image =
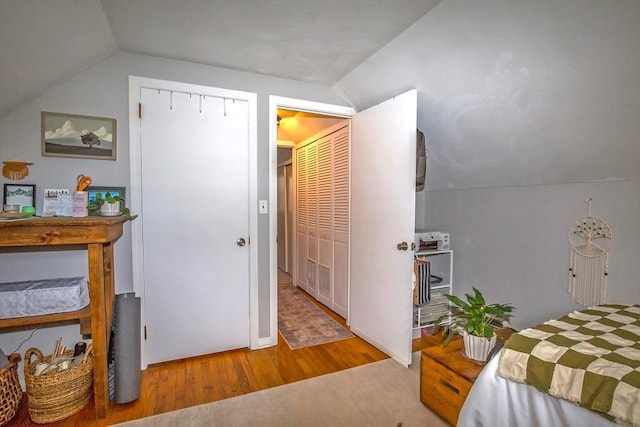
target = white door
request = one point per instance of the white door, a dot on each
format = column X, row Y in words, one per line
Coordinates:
column 284, row 219
column 195, row 211
column 383, row 162
column 300, row 170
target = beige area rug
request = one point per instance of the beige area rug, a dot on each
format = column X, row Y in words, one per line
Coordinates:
column 302, row 323
column 378, row 394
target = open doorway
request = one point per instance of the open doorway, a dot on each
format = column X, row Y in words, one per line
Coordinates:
column 295, row 130
column 379, row 171
column 285, row 217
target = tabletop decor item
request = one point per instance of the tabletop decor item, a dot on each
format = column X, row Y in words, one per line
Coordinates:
column 475, row 320
column 20, row 194
column 108, row 204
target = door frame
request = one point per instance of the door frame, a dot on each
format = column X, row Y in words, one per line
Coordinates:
column 276, row 102
column 136, row 84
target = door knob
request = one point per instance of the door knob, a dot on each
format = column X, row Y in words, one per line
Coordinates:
column 403, row 246
column 240, row 242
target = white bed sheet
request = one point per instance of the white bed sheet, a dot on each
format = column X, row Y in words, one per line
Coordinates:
column 496, row 402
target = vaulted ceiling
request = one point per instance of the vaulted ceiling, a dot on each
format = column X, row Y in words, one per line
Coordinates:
column 509, row 92
column 45, row 42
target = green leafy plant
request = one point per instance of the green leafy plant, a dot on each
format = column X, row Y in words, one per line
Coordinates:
column 100, row 200
column 473, row 316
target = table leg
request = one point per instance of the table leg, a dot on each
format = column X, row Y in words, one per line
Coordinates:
column 109, row 285
column 99, row 334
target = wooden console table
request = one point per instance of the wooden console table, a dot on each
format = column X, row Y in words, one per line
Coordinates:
column 97, row 235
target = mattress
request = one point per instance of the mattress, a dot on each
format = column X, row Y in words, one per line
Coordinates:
column 38, row 297
column 497, row 402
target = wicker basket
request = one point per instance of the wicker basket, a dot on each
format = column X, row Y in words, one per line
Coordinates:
column 10, row 390
column 55, row 396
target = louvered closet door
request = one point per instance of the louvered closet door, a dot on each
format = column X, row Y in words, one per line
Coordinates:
column 301, row 217
column 340, row 221
column 325, row 221
column 312, row 219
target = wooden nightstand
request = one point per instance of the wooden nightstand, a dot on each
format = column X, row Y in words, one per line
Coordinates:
column 446, row 376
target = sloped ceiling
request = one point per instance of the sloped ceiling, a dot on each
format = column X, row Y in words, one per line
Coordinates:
column 517, row 93
column 509, row 93
column 45, row 42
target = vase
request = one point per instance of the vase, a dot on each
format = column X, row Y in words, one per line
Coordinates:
column 110, row 209
column 478, row 348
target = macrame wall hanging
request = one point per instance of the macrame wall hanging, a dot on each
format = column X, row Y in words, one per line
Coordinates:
column 590, row 240
column 15, row 170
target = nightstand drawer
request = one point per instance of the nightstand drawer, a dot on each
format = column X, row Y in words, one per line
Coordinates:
column 441, row 389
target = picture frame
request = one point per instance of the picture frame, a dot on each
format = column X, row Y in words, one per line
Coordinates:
column 20, row 194
column 114, row 191
column 77, row 136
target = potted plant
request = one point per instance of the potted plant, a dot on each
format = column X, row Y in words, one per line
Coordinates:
column 473, row 318
column 109, row 205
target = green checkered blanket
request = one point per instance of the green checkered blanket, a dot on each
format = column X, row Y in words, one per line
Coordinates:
column 590, row 357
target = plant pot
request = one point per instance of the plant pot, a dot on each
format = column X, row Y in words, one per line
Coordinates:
column 110, row 209
column 478, row 348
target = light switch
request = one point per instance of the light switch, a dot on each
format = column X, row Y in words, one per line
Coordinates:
column 262, row 207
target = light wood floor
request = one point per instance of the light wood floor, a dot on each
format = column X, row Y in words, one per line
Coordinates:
column 284, row 278
column 188, row 382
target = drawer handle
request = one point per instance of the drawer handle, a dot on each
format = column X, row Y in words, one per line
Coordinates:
column 449, row 386
column 50, row 237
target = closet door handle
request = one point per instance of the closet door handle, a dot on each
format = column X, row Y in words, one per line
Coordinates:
column 240, row 242
column 403, row 246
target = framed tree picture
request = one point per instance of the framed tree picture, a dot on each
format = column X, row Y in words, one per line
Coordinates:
column 84, row 137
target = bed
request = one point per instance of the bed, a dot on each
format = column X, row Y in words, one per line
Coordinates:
column 582, row 369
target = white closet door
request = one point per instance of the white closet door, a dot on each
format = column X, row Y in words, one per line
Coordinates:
column 383, row 165
column 300, row 168
column 340, row 293
column 325, row 221
column 195, row 206
column 312, row 219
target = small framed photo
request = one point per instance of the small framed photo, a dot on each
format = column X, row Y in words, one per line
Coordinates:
column 82, row 137
column 113, row 191
column 20, row 194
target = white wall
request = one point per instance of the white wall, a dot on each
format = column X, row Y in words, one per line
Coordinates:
column 528, row 93
column 512, row 242
column 517, row 92
column 528, row 108
column 103, row 91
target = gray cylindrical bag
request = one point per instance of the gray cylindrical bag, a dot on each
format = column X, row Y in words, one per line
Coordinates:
column 127, row 347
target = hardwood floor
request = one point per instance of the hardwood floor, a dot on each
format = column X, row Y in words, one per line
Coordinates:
column 188, row 382
column 284, row 278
